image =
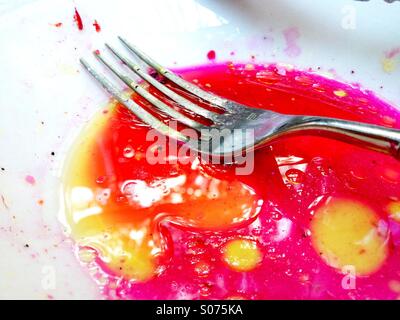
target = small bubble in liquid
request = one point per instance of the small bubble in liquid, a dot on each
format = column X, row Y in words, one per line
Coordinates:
column 205, row 289
column 86, row 255
column 174, row 285
column 100, row 179
column 276, row 216
column 294, row 176
column 318, row 87
column 101, row 279
column 202, row 268
column 304, row 278
column 195, row 248
column 128, row 152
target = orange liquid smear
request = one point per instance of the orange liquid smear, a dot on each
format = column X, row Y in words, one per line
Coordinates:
column 310, row 207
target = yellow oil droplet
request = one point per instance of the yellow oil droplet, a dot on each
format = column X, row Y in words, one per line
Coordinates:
column 242, row 255
column 340, row 93
column 389, row 65
column 345, row 233
column 131, row 261
column 393, row 209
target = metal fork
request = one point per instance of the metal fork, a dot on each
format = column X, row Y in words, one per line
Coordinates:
column 260, row 126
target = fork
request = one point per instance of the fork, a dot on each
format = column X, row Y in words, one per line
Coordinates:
column 259, row 126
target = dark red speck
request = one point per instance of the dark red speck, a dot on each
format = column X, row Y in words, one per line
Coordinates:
column 58, row 24
column 211, row 55
column 97, row 51
column 96, row 26
column 78, row 20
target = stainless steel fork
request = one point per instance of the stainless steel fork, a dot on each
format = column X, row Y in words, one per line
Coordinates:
column 260, row 126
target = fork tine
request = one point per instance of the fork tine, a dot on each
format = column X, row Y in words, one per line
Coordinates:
column 142, row 114
column 149, row 97
column 186, row 85
column 164, row 89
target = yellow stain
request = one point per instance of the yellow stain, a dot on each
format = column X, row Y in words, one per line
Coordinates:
column 123, row 235
column 340, row 93
column 123, row 255
column 393, row 209
column 389, row 65
column 242, row 255
column 345, row 233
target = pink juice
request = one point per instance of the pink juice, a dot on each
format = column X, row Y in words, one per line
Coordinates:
column 316, row 219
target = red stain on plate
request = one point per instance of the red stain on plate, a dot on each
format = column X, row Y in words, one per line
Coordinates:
column 78, row 20
column 211, row 55
column 97, row 26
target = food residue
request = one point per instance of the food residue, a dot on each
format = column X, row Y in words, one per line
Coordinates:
column 310, row 209
column 96, row 26
column 78, row 20
column 30, row 179
column 211, row 55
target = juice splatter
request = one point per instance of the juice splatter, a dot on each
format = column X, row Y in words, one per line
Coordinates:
column 78, row 20
column 96, row 26
column 211, row 55
column 30, row 179
column 178, row 230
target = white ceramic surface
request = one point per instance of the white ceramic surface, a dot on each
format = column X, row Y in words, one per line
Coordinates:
column 46, row 97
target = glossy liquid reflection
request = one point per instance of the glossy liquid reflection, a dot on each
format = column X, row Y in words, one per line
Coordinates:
column 173, row 231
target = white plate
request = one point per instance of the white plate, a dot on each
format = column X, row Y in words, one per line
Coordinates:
column 46, row 97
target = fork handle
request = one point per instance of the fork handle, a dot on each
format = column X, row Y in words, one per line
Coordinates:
column 374, row 137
